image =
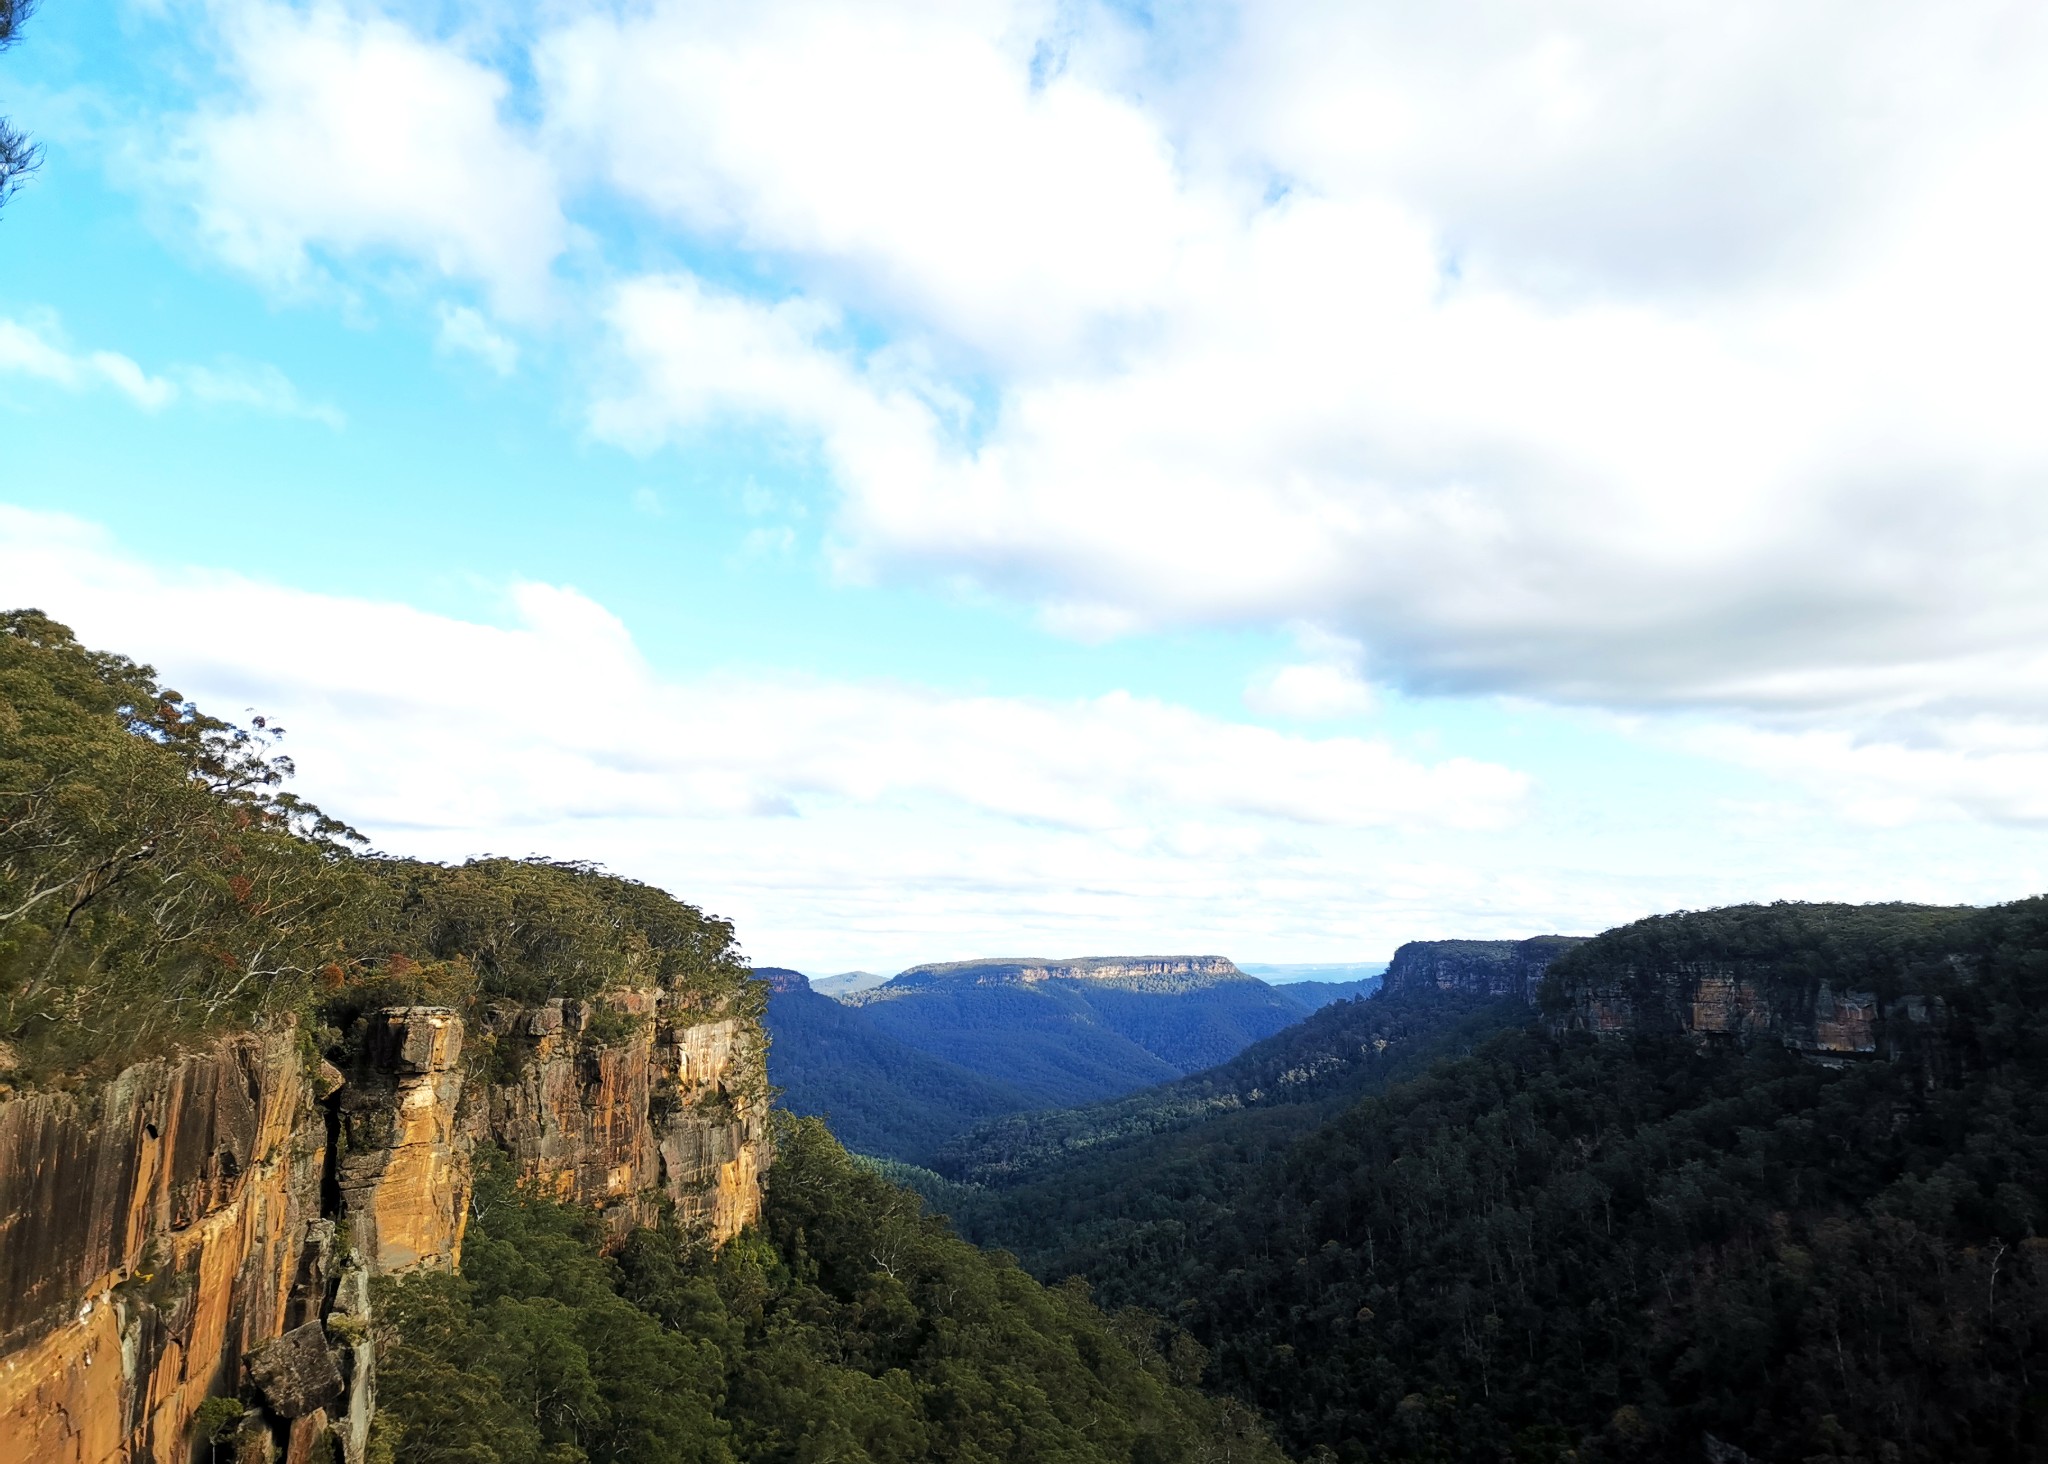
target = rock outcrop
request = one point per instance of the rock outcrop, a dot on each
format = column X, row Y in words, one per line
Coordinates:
column 151, row 1234
column 207, row 1225
column 1505, row 968
column 1736, row 1002
column 675, row 1112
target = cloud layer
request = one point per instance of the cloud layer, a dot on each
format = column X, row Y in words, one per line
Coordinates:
column 551, row 733
column 1680, row 364
column 1641, row 361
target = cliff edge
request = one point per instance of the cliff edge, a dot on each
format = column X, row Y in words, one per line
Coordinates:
column 205, row 1226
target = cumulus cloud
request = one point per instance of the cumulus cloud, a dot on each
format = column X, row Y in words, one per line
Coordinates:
column 1601, row 359
column 464, row 331
column 1309, row 692
column 1673, row 360
column 33, row 352
column 350, row 136
column 36, row 350
column 946, row 164
column 549, row 731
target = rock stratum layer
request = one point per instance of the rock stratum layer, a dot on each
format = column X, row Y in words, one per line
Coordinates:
column 1506, row 968
column 206, row 1225
column 1734, row 1001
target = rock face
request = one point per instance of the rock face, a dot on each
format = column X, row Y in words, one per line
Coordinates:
column 400, row 1166
column 208, row 1224
column 150, row 1235
column 675, row 1110
column 1732, row 1002
column 1509, row 968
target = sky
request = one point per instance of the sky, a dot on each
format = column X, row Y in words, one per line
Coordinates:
column 937, row 480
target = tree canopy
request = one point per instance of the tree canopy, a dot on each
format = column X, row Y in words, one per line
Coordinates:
column 18, row 155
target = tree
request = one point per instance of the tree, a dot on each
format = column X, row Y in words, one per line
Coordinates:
column 18, row 156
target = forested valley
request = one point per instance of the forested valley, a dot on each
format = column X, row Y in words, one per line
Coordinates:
column 1503, row 1235
column 1763, row 1183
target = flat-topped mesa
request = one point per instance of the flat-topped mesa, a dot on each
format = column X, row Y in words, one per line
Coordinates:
column 1162, row 973
column 1504, row 968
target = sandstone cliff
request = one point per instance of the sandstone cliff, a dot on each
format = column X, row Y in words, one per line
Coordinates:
column 206, row 1225
column 1508, row 968
column 1739, row 1002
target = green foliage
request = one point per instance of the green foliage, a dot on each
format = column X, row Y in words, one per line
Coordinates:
column 18, row 156
column 214, row 1419
column 537, row 928
column 158, row 884
column 154, row 879
column 1620, row 1249
column 853, row 1327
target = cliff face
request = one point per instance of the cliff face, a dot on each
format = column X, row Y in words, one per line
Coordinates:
column 208, row 1225
column 1508, row 968
column 150, row 1235
column 675, row 1112
column 1736, row 1002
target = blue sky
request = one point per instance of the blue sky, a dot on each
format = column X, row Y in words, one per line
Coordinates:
column 1015, row 478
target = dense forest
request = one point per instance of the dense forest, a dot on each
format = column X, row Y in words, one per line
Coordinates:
column 851, row 1327
column 1643, row 1246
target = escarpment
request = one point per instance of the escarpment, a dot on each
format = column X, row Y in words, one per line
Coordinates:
column 206, row 1226
column 1832, row 982
column 1505, row 968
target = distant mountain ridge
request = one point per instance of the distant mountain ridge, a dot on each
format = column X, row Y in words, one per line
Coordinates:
column 842, row 982
column 1172, row 972
column 902, row 1066
column 1294, row 973
column 1055, row 1031
column 880, row 1095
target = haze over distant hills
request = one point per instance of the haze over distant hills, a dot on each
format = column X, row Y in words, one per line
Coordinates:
column 844, row 982
column 1293, row 973
column 903, row 1064
column 1077, row 1030
column 881, row 1095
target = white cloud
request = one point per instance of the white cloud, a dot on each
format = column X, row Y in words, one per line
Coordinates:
column 32, row 352
column 352, row 137
column 256, row 385
column 937, row 160
column 550, row 732
column 464, row 331
column 1672, row 360
column 1669, row 358
column 1310, row 691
